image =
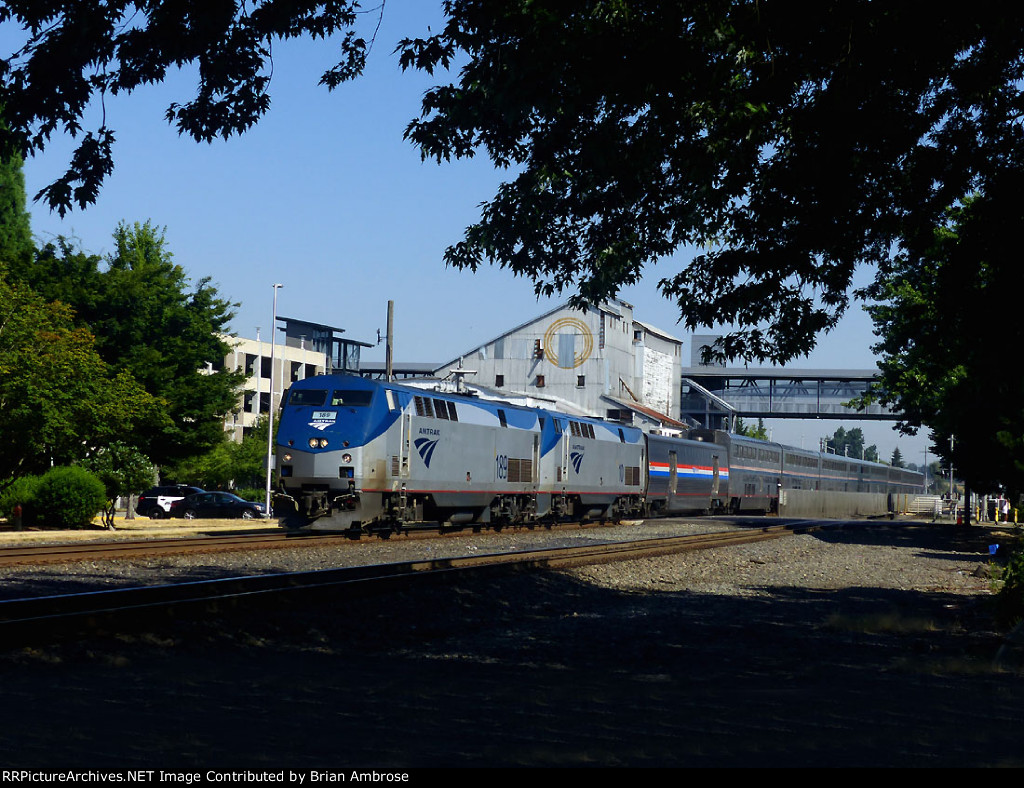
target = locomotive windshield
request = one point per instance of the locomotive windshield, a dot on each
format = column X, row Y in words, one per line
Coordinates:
column 307, row 397
column 352, row 398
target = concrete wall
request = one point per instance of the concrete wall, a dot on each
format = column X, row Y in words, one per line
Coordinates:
column 811, row 503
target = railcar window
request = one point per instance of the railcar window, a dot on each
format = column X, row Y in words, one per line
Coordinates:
column 441, row 408
column 351, row 398
column 307, row 397
column 501, row 418
column 452, row 413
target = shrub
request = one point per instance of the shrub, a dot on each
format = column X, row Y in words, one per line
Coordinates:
column 1010, row 602
column 20, row 491
column 69, row 497
column 252, row 494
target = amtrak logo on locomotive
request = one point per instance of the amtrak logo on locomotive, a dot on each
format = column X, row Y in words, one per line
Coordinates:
column 425, row 447
column 322, row 419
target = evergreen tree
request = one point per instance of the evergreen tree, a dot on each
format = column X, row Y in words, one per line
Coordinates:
column 15, row 230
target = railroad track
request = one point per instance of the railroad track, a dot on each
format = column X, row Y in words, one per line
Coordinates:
column 23, row 555
column 111, row 611
column 93, row 551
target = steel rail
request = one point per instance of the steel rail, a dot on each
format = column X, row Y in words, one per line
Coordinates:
column 103, row 550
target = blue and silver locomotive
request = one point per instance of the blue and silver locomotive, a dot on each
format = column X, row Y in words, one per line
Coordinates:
column 359, row 454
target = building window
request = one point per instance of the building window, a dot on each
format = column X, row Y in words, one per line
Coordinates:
column 540, row 381
column 499, row 380
column 581, row 381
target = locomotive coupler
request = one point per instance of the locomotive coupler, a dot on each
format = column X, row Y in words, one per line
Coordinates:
column 349, row 501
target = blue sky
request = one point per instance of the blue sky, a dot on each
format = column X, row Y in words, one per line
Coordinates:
column 325, row 197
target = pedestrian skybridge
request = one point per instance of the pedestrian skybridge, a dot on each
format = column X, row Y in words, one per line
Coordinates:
column 713, row 395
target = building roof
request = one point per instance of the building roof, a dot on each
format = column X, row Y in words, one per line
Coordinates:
column 648, row 413
column 657, row 331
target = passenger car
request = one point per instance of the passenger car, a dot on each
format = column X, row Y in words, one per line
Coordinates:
column 156, row 501
column 216, row 504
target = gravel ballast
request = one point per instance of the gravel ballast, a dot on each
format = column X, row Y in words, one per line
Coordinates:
column 861, row 646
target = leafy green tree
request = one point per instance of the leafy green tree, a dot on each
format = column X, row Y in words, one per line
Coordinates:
column 124, row 471
column 59, row 401
column 72, row 53
column 773, row 147
column 896, row 460
column 152, row 323
column 229, row 464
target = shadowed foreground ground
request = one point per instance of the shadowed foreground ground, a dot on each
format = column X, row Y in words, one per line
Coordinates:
column 534, row 670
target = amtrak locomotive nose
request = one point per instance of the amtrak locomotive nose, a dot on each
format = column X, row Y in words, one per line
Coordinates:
column 321, row 435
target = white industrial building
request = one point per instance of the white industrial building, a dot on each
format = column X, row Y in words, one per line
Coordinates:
column 599, row 362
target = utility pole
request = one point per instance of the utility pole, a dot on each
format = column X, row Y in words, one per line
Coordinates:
column 270, row 415
column 389, row 345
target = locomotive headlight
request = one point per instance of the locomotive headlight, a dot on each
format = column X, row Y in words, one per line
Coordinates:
column 323, row 443
column 313, row 443
column 287, row 457
column 346, row 458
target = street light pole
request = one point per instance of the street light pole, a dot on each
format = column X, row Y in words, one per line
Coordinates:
column 270, row 415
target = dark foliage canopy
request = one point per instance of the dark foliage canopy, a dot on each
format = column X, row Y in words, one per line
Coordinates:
column 778, row 145
column 77, row 52
column 948, row 318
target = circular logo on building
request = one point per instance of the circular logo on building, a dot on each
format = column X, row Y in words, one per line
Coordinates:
column 568, row 343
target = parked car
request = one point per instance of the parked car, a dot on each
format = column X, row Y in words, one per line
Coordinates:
column 217, row 504
column 156, row 501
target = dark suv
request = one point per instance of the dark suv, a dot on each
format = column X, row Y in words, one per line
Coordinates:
column 156, row 501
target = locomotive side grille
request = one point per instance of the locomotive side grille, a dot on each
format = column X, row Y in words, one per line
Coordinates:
column 519, row 470
column 396, row 465
column 632, row 476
